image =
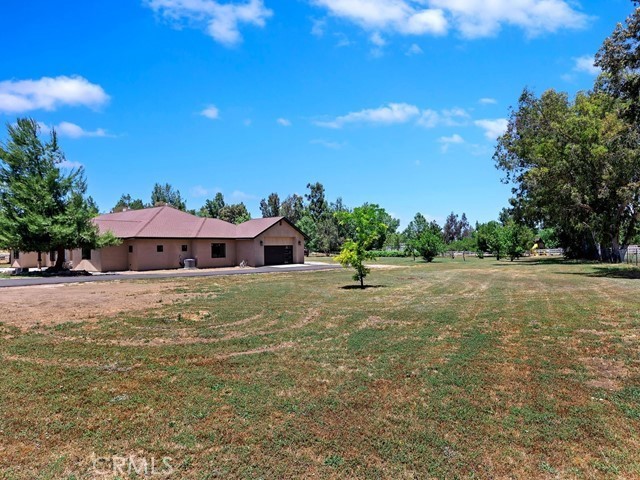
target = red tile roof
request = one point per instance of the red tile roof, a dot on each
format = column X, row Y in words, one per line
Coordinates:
column 168, row 222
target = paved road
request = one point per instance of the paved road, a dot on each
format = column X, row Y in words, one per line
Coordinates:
column 28, row 281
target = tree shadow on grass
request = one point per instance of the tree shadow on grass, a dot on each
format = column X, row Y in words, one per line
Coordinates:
column 358, row 287
column 610, row 272
column 529, row 262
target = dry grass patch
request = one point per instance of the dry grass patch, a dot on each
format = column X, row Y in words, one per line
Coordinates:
column 448, row 370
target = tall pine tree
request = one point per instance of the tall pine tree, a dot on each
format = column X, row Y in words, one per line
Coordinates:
column 42, row 208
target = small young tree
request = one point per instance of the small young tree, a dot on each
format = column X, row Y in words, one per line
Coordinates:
column 517, row 239
column 430, row 243
column 43, row 209
column 367, row 229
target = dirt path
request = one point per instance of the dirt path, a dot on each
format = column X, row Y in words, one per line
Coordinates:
column 47, row 305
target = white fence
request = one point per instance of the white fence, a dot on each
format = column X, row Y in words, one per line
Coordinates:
column 632, row 254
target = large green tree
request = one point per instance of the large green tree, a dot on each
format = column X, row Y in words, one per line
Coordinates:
column 43, row 207
column 126, row 202
column 166, row 194
column 575, row 165
column 317, row 203
column 235, row 213
column 293, row 208
column 619, row 60
column 367, row 229
column 212, row 207
column 270, row 207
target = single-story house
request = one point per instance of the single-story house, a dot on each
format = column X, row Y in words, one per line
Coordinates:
column 163, row 237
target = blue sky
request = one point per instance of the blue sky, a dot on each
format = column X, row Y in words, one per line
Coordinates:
column 396, row 102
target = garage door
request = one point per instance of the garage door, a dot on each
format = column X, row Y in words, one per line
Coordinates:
column 280, row 255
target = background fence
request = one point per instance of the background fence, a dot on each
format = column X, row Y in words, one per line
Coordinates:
column 632, row 254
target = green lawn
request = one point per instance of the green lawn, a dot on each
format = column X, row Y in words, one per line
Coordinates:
column 477, row 369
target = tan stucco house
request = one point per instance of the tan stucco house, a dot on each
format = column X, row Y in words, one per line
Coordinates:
column 163, row 238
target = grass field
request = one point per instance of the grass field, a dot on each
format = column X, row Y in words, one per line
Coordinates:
column 476, row 369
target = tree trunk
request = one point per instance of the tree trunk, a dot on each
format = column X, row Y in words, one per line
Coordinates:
column 361, row 282
column 59, row 259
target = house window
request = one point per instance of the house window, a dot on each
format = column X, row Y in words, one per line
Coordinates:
column 52, row 256
column 86, row 254
column 16, row 254
column 184, row 248
column 159, row 248
column 218, row 250
column 130, row 248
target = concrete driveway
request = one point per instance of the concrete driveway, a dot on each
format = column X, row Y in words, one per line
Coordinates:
column 27, row 281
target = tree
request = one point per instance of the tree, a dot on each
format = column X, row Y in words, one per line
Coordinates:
column 271, row 206
column 429, row 242
column 327, row 236
column 128, row 203
column 309, row 228
column 619, row 60
column 212, row 208
column 549, row 237
column 489, row 239
column 575, row 166
column 367, row 229
column 43, row 209
column 235, row 213
column 464, row 228
column 166, row 195
column 516, row 239
column 317, row 203
column 451, row 230
column 413, row 231
column 293, row 208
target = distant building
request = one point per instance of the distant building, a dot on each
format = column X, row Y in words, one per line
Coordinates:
column 163, row 237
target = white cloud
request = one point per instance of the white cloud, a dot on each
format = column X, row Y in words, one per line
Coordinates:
column 488, row 101
column 200, row 191
column 71, row 130
column 393, row 113
column 402, row 16
column 414, row 49
column 343, row 40
column 70, row 165
column 447, row 141
column 377, row 39
column 68, row 129
column 318, row 27
column 284, row 122
column 585, row 64
column 220, row 21
column 472, row 18
column 455, row 138
column 399, row 113
column 238, row 195
column 328, row 144
column 493, row 128
column 211, row 112
column 47, row 93
column 481, row 18
column 454, row 117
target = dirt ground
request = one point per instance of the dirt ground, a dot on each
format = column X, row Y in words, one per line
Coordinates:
column 47, row 305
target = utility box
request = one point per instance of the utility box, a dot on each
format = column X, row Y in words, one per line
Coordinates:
column 190, row 264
